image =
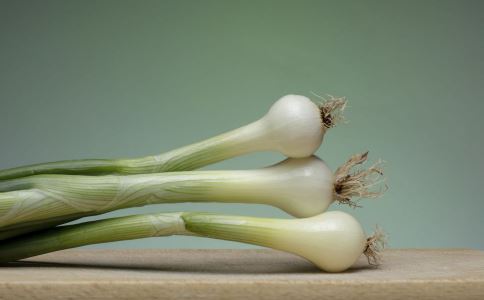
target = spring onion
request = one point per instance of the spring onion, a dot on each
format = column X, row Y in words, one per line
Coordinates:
column 302, row 187
column 293, row 126
column 333, row 241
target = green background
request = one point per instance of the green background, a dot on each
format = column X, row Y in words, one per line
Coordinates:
column 83, row 79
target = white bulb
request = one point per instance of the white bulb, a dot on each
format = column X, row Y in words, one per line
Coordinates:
column 293, row 126
column 302, row 187
column 333, row 240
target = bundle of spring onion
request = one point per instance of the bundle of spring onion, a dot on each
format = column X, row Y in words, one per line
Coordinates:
column 38, row 197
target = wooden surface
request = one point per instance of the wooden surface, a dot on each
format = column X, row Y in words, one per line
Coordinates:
column 240, row 274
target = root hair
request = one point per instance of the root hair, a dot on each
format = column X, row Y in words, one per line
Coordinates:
column 331, row 109
column 360, row 183
column 375, row 245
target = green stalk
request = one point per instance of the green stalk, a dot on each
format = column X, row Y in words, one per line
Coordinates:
column 190, row 157
column 236, row 228
column 6, row 233
column 95, row 232
column 33, row 226
column 250, row 230
column 66, row 197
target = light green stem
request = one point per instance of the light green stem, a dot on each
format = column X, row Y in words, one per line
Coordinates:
column 103, row 231
column 33, row 226
column 191, row 157
column 6, row 233
column 51, row 198
column 250, row 230
column 258, row 231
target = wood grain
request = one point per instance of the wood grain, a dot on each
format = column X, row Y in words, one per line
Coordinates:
column 240, row 274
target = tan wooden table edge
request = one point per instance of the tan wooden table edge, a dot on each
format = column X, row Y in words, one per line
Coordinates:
column 241, row 274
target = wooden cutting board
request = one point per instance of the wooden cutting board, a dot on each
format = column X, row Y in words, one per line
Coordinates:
column 240, row 274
